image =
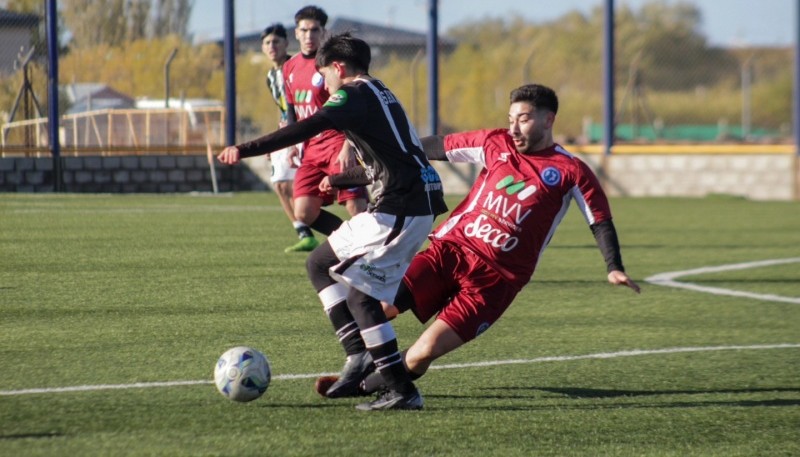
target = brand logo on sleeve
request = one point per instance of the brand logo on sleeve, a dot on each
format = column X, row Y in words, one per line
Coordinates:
column 337, row 99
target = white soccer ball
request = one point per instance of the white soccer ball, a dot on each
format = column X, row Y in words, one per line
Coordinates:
column 242, row 374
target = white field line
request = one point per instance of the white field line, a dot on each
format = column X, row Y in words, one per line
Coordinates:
column 668, row 280
column 490, row 363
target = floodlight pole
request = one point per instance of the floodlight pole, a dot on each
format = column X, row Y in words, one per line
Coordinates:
column 796, row 100
column 796, row 85
column 433, row 65
column 608, row 78
column 51, row 14
column 230, row 74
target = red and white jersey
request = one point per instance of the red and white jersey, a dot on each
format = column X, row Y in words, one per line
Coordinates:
column 305, row 89
column 517, row 202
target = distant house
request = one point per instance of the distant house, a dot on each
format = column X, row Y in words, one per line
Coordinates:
column 384, row 41
column 95, row 96
column 17, row 31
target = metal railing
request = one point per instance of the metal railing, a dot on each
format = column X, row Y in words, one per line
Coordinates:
column 119, row 132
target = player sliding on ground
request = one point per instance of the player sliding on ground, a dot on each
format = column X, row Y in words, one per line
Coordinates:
column 362, row 262
column 487, row 250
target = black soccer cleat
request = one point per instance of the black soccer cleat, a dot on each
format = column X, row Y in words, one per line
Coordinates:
column 356, row 368
column 392, row 399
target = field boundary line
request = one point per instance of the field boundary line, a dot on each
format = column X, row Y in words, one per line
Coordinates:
column 668, row 279
column 490, row 363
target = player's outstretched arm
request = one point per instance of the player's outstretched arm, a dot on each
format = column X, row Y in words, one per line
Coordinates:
column 229, row 155
column 283, row 137
column 433, row 146
column 619, row 278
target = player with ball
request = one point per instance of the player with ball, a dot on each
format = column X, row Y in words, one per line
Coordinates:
column 363, row 261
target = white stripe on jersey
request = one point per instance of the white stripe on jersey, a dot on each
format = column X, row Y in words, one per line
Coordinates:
column 386, row 112
column 468, row 155
column 561, row 150
column 556, row 222
column 584, row 207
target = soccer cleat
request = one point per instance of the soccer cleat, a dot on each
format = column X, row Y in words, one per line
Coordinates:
column 323, row 383
column 305, row 244
column 356, row 368
column 392, row 399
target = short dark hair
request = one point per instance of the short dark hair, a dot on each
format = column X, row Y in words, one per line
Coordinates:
column 275, row 29
column 541, row 97
column 354, row 52
column 313, row 13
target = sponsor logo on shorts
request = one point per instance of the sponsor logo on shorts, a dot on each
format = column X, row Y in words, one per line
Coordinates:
column 373, row 272
column 482, row 328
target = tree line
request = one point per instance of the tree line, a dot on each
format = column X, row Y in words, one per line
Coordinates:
column 662, row 61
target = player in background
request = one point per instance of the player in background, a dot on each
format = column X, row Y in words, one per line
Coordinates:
column 363, row 261
column 486, row 251
column 273, row 44
column 326, row 153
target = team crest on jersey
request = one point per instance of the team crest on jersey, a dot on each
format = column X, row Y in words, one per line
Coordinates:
column 551, row 176
column 317, row 80
column 337, row 99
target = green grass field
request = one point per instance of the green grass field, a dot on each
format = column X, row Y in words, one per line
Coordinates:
column 128, row 291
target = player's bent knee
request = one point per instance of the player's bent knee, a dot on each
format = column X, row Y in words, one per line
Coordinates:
column 284, row 189
column 317, row 265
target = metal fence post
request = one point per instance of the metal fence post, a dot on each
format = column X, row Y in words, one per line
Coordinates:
column 608, row 78
column 52, row 93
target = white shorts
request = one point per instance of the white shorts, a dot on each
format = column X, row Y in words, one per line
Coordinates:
column 282, row 169
column 374, row 254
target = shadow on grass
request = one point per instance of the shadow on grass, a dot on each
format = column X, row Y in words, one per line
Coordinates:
column 579, row 393
column 22, row 436
column 294, row 406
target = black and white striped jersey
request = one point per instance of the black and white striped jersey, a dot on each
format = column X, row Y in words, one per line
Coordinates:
column 387, row 146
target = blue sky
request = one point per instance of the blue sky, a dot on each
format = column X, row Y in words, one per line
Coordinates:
column 725, row 22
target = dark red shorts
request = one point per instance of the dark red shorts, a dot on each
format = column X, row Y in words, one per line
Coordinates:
column 468, row 294
column 318, row 163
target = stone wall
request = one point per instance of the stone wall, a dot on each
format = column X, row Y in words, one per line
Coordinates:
column 124, row 174
column 754, row 176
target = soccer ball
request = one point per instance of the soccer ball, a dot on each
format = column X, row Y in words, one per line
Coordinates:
column 242, row 374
